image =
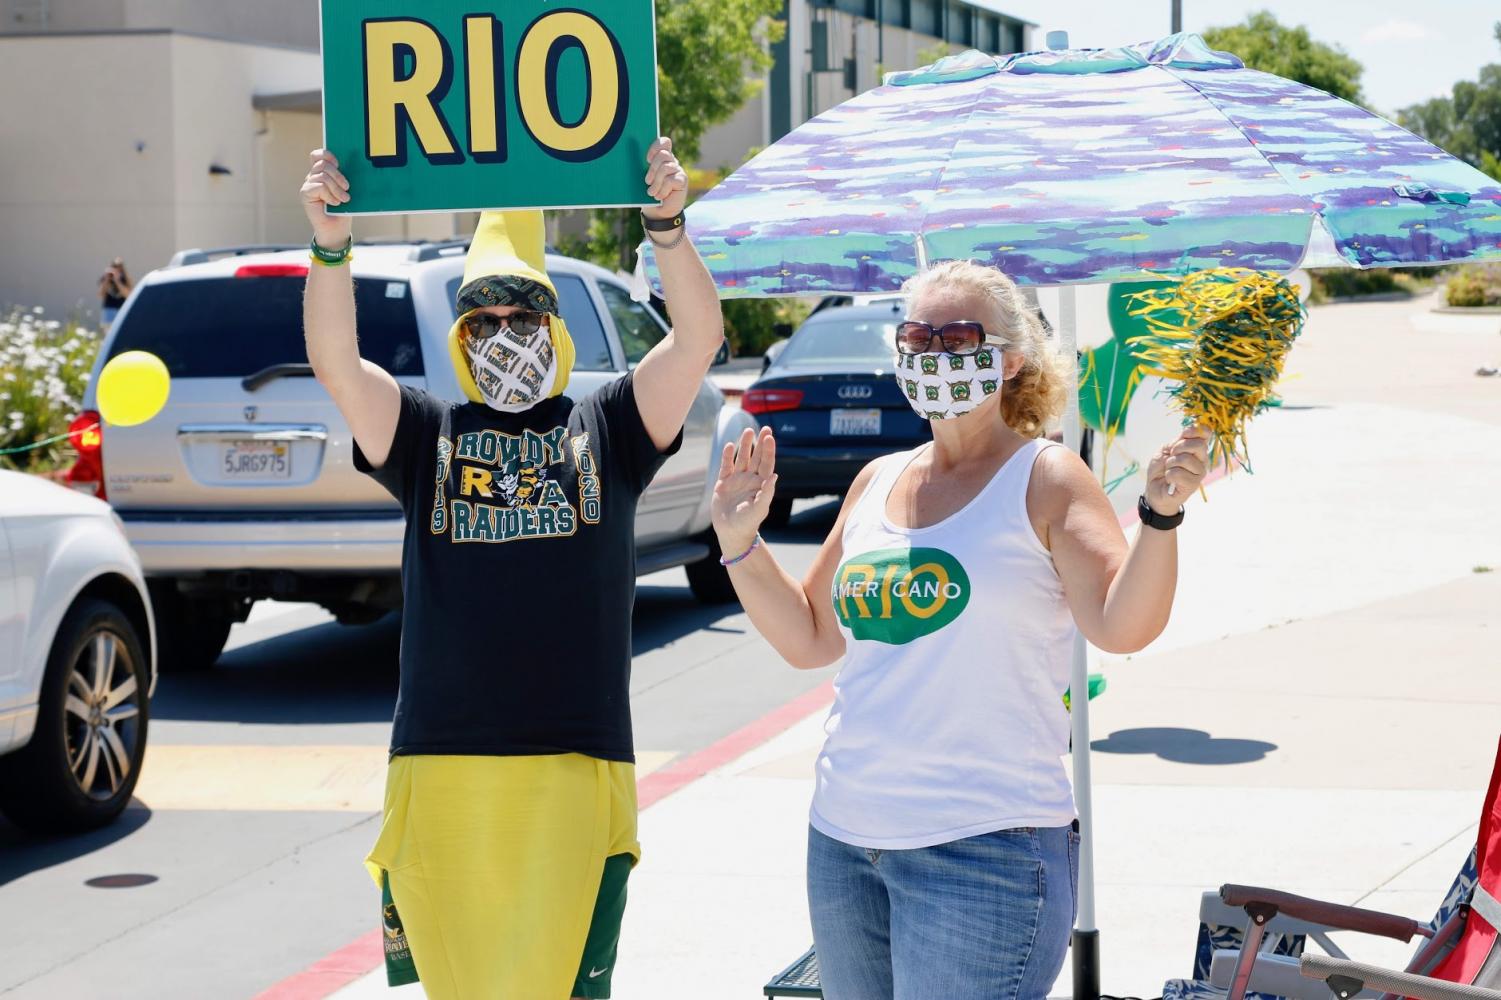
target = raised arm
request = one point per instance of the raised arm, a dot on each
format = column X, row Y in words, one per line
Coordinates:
column 797, row 618
column 1121, row 596
column 365, row 393
column 668, row 378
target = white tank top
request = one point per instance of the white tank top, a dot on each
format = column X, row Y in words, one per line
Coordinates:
column 948, row 717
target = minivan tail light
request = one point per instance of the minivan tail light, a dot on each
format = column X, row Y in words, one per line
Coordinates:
column 86, row 435
column 271, row 271
column 771, row 400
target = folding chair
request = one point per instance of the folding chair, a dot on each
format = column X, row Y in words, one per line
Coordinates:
column 1261, row 955
column 800, row 979
column 1472, row 968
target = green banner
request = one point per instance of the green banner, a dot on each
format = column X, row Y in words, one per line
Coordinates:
column 463, row 105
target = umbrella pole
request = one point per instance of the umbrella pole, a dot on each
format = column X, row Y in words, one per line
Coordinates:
column 1085, row 947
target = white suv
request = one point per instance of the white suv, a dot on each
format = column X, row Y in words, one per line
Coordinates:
column 244, row 487
column 76, row 652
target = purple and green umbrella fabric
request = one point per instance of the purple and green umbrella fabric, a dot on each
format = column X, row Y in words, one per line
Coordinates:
column 1087, row 166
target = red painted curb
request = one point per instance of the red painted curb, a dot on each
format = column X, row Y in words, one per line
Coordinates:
column 661, row 783
column 332, row 973
column 364, row 955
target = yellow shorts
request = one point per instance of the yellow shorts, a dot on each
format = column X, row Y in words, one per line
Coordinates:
column 495, row 866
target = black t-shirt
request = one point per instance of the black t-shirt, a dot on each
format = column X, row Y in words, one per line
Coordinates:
column 518, row 572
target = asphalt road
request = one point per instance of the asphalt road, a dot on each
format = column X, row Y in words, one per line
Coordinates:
column 261, row 791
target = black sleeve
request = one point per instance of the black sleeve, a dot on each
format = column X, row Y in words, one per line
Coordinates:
column 416, row 429
column 631, row 455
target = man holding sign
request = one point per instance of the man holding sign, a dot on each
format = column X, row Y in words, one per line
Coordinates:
column 510, row 815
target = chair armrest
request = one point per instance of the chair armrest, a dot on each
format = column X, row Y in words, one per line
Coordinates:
column 1272, row 975
column 1348, row 974
column 1334, row 915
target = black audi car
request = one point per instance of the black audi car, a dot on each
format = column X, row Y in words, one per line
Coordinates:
column 832, row 401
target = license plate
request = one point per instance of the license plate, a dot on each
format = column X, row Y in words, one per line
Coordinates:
column 863, row 422
column 242, row 460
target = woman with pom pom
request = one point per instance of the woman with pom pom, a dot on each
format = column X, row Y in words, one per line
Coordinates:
column 942, row 851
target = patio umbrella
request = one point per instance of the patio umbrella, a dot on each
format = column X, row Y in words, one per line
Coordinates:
column 1081, row 166
column 1085, row 166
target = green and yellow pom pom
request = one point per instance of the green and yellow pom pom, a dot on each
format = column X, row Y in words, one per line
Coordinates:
column 1222, row 336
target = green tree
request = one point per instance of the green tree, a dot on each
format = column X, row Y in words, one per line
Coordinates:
column 711, row 55
column 1264, row 43
column 1468, row 122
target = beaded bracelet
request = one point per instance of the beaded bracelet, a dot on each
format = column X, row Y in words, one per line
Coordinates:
column 742, row 556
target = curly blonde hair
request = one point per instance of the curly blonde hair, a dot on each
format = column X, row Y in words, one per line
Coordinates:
column 1035, row 397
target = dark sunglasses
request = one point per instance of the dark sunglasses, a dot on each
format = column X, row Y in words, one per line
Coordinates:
column 961, row 337
column 483, row 325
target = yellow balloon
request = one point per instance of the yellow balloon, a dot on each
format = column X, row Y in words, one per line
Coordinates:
column 132, row 388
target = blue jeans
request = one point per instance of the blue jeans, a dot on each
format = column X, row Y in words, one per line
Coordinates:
column 984, row 918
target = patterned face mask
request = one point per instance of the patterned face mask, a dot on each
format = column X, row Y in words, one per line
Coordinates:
column 940, row 386
column 513, row 371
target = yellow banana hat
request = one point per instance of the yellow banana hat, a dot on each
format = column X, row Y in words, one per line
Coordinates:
column 506, row 266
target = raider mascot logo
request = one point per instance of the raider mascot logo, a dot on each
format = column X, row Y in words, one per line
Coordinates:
column 510, row 486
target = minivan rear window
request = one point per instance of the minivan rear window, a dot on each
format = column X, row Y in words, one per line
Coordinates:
column 234, row 327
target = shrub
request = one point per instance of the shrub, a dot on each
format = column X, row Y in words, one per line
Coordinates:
column 1347, row 282
column 1474, row 285
column 44, row 369
column 750, row 325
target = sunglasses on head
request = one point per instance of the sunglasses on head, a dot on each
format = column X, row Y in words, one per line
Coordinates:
column 483, row 325
column 961, row 337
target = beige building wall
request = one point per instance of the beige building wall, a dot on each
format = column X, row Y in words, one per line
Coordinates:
column 726, row 146
column 272, row 22
column 88, row 164
column 110, row 154
column 216, row 127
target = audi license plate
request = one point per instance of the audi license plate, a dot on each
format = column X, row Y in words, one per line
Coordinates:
column 862, row 422
column 256, row 460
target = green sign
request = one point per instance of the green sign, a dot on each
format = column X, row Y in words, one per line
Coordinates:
column 897, row 595
column 463, row 105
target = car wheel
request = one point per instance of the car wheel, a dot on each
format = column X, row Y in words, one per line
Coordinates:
column 780, row 513
column 709, row 581
column 190, row 634
column 81, row 765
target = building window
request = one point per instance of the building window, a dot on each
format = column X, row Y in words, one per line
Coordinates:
column 927, row 18
column 961, row 24
column 1016, row 37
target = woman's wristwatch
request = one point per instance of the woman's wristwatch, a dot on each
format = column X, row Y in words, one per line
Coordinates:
column 1152, row 519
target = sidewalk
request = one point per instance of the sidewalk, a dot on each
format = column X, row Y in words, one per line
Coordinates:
column 1320, row 714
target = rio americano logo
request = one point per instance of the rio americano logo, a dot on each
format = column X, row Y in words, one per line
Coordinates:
column 897, row 595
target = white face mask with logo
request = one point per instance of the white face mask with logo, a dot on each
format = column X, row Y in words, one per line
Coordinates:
column 513, row 372
column 941, row 386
